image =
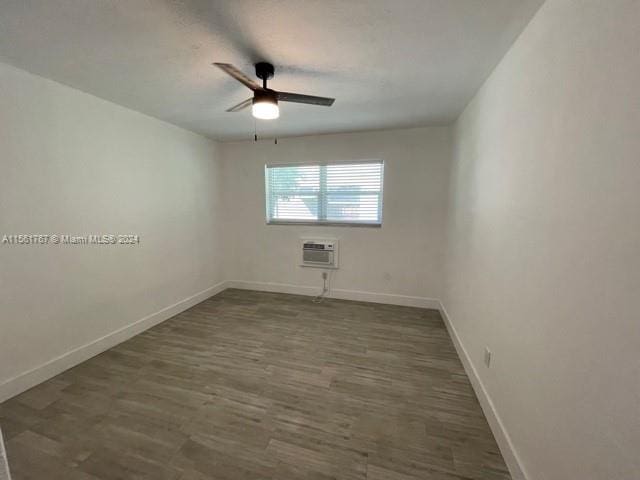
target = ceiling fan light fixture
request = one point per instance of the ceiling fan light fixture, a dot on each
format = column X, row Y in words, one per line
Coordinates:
column 265, row 106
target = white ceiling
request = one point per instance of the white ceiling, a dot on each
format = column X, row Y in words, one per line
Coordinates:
column 388, row 63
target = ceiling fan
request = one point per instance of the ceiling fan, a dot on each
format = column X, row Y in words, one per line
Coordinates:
column 264, row 103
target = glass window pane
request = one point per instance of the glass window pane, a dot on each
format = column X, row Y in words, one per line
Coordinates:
column 340, row 192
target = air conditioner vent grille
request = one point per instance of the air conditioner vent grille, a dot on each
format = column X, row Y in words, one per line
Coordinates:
column 316, row 256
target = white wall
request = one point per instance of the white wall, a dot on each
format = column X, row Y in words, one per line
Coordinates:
column 403, row 258
column 72, row 163
column 544, row 258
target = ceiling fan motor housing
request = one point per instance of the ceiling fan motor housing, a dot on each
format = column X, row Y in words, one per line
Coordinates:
column 265, row 96
column 264, row 70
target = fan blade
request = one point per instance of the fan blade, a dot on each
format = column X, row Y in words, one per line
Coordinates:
column 238, row 75
column 241, row 105
column 310, row 99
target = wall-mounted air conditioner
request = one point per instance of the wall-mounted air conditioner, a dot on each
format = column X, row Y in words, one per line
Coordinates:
column 320, row 253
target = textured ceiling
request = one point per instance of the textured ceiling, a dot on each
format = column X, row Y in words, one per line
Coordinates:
column 388, row 63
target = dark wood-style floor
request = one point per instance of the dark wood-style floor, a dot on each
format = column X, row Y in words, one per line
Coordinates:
column 251, row 385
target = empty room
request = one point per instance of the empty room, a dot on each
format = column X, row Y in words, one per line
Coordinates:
column 319, row 239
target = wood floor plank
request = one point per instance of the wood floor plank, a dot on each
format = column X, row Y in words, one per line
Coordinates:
column 254, row 385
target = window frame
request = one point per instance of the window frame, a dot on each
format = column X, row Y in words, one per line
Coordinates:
column 325, row 223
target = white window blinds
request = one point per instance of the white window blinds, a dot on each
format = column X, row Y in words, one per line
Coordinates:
column 349, row 193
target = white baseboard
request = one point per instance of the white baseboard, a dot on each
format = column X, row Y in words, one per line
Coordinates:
column 357, row 295
column 500, row 433
column 39, row 374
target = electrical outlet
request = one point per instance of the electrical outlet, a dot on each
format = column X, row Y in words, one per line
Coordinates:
column 487, row 357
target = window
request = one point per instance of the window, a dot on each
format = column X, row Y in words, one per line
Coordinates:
column 340, row 193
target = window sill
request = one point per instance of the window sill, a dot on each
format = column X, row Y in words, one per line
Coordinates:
column 327, row 224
